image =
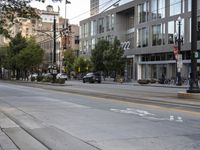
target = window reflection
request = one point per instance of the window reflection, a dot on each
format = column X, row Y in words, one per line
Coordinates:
column 176, row 7
column 171, row 32
column 142, row 37
column 143, row 12
column 158, row 9
column 157, row 35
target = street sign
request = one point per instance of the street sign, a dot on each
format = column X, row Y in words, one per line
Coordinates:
column 175, row 50
column 197, row 54
column 180, row 61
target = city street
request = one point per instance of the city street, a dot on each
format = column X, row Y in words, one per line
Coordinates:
column 39, row 118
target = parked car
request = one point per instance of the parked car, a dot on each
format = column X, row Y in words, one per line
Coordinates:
column 47, row 75
column 62, row 76
column 34, row 75
column 92, row 77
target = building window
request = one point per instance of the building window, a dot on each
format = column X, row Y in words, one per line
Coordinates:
column 143, row 11
column 100, row 25
column 93, row 28
column 110, row 22
column 176, row 7
column 93, row 43
column 142, row 37
column 171, row 32
column 76, row 41
column 189, row 5
column 86, row 30
column 157, row 35
column 158, row 9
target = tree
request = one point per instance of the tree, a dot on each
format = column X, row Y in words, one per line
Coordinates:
column 15, row 46
column 29, row 57
column 69, row 58
column 82, row 64
column 11, row 9
column 113, row 57
column 3, row 53
column 97, row 57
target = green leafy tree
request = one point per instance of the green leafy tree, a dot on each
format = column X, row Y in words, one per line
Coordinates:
column 3, row 53
column 69, row 58
column 29, row 57
column 97, row 57
column 15, row 46
column 82, row 64
column 113, row 57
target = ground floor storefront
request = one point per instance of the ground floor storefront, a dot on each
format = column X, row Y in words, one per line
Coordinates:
column 138, row 68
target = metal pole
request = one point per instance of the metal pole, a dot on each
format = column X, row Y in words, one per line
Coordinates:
column 193, row 88
column 54, row 51
column 54, row 40
column 179, row 82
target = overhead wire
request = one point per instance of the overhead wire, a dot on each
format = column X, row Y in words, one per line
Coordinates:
column 101, row 6
column 152, row 12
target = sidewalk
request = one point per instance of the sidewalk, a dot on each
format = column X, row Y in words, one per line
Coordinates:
column 5, row 142
column 135, row 83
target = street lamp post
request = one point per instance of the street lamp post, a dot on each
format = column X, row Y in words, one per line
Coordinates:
column 54, row 50
column 179, row 40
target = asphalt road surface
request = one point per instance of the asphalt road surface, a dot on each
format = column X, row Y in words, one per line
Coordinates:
column 54, row 118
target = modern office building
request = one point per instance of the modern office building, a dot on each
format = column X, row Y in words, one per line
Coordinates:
column 97, row 6
column 148, row 31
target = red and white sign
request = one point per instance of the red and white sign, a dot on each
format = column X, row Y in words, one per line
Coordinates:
column 175, row 50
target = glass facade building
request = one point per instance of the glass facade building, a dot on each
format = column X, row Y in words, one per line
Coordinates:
column 147, row 31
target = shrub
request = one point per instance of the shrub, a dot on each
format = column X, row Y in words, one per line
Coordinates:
column 40, row 78
column 61, row 81
column 47, row 79
column 143, row 81
column 153, row 81
column 32, row 78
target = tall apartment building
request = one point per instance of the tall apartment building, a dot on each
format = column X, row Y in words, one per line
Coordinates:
column 147, row 30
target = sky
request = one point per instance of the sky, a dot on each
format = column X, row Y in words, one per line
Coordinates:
column 76, row 11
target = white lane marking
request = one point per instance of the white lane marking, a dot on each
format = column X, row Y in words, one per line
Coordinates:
column 146, row 114
column 179, row 119
column 171, row 118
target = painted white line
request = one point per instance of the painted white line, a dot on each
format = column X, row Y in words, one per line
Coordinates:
column 145, row 114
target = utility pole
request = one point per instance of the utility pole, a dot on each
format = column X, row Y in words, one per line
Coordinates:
column 54, row 41
column 54, row 50
column 194, row 87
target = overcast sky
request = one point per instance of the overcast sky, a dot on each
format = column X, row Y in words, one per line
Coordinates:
column 76, row 11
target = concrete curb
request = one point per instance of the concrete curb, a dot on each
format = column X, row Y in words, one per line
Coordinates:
column 185, row 95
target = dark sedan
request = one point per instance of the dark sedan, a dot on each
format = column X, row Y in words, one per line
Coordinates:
column 92, row 77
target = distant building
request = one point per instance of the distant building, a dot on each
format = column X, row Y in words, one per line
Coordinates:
column 42, row 30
